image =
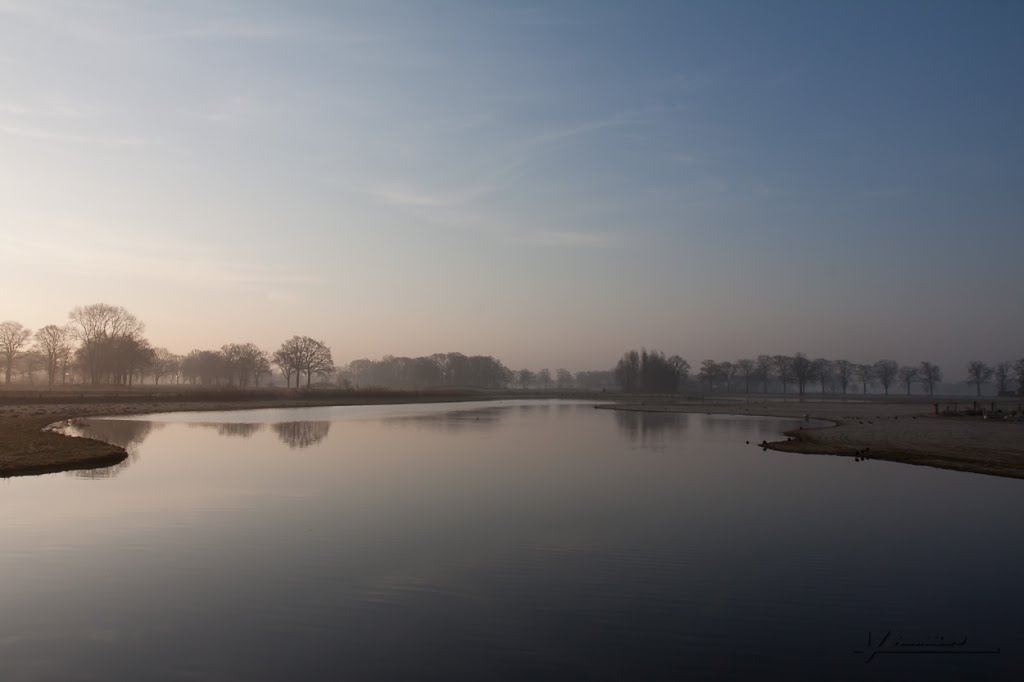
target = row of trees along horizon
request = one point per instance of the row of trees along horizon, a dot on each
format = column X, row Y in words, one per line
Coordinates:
column 652, row 372
column 106, row 344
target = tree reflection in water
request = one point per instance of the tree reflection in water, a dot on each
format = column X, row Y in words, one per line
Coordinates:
column 649, row 428
column 231, row 430
column 124, row 433
column 301, row 434
column 451, row 421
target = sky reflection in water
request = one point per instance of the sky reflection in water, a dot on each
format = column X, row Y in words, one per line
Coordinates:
column 495, row 541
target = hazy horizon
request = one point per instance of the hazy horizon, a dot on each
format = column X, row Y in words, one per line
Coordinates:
column 550, row 184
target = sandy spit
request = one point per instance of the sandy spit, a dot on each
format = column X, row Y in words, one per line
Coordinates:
column 905, row 431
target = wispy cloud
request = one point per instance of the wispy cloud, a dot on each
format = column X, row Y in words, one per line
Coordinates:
column 406, row 197
column 237, row 30
column 92, row 257
column 57, row 136
column 226, row 110
column 581, row 128
column 48, row 110
column 567, row 239
column 257, row 30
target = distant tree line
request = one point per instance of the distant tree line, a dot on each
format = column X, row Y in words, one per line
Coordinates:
column 429, row 371
column 106, row 344
column 651, row 372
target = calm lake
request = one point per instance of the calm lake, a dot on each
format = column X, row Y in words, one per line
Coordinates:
column 494, row 541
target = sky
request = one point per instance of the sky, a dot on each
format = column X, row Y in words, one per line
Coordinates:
column 551, row 183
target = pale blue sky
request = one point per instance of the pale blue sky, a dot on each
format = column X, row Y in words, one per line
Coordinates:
column 551, row 183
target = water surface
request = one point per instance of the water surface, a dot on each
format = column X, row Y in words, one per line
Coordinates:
column 534, row 540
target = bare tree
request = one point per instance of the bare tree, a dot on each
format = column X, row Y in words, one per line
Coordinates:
column 978, row 373
column 67, row 354
column 886, row 372
column 525, row 378
column 564, row 378
column 764, row 369
column 544, row 380
column 844, row 373
column 865, row 375
column 908, row 375
column 627, row 372
column 784, row 368
column 681, row 368
column 1018, row 369
column 29, row 362
column 822, row 370
column 746, row 369
column 1002, row 372
column 931, row 374
column 316, row 358
column 99, row 327
column 165, row 364
column 245, row 362
column 260, row 367
column 288, row 360
column 709, row 371
column 803, row 371
column 727, row 371
column 12, row 337
column 51, row 342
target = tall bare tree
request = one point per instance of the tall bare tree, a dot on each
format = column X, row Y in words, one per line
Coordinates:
column 978, row 373
column 1002, row 372
column 563, row 377
column 764, row 370
column 709, row 372
column 165, row 364
column 746, row 369
column 12, row 337
column 727, row 371
column 886, row 372
column 931, row 374
column 784, row 369
column 803, row 371
column 51, row 342
column 99, row 327
column 865, row 375
column 908, row 375
column 1018, row 369
column 844, row 373
column 822, row 370
column 304, row 354
column 288, row 361
column 627, row 372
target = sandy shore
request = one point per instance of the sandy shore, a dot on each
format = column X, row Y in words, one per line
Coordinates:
column 905, row 431
column 898, row 431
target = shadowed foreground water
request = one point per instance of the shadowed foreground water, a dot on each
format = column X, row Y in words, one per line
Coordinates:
column 518, row 541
